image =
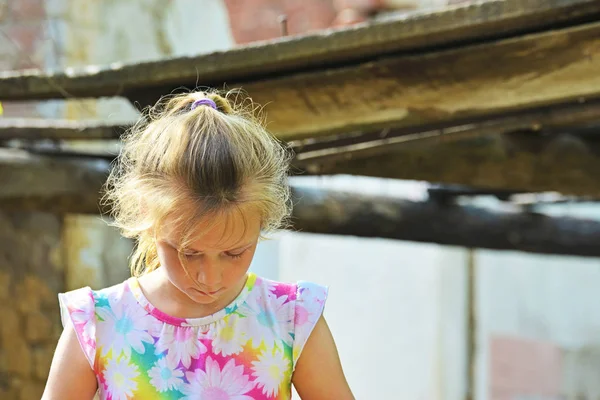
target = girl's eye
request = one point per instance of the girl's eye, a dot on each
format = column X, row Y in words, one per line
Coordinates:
column 236, row 255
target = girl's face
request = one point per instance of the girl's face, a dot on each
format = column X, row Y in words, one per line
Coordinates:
column 217, row 259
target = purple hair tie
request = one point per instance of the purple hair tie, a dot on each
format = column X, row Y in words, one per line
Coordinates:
column 204, row 102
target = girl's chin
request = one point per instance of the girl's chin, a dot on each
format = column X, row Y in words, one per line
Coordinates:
column 203, row 297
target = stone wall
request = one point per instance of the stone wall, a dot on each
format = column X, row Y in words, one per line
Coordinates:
column 31, row 265
column 42, row 255
column 31, row 275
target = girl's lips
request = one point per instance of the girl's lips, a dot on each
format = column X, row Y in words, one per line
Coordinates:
column 207, row 293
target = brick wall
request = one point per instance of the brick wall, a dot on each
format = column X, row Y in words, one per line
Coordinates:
column 30, row 277
column 253, row 20
column 302, row 16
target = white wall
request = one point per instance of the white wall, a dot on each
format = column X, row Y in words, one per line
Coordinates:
column 388, row 307
column 545, row 307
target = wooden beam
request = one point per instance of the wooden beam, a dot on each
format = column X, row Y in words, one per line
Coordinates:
column 337, row 213
column 36, row 129
column 58, row 185
column 480, row 81
column 525, row 161
column 518, row 162
column 416, row 32
column 536, row 156
column 545, row 121
column 72, row 186
column 565, row 117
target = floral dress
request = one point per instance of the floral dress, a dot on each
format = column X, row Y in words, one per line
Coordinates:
column 247, row 351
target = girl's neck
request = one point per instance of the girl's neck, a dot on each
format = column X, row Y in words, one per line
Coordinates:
column 162, row 294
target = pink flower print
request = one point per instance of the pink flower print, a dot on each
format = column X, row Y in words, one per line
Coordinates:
column 301, row 317
column 310, row 307
column 84, row 320
column 215, row 383
column 282, row 289
column 181, row 343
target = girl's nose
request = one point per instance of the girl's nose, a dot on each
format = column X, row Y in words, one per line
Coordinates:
column 209, row 274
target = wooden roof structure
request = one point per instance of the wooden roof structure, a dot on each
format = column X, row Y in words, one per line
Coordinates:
column 499, row 96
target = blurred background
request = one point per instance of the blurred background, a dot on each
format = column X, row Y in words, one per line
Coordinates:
column 413, row 319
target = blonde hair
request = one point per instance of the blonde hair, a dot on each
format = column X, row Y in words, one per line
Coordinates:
column 186, row 163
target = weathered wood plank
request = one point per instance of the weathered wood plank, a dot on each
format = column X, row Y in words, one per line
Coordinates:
column 60, row 185
column 569, row 117
column 470, row 82
column 415, row 32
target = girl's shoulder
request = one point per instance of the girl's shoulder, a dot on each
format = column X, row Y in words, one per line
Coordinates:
column 302, row 293
column 296, row 306
column 86, row 297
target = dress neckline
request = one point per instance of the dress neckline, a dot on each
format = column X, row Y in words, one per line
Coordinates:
column 136, row 289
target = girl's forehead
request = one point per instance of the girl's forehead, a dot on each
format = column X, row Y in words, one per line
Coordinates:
column 221, row 231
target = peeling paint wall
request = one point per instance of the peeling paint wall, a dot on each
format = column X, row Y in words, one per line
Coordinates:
column 113, row 31
column 95, row 254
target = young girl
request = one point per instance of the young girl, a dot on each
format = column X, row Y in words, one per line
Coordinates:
column 195, row 185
